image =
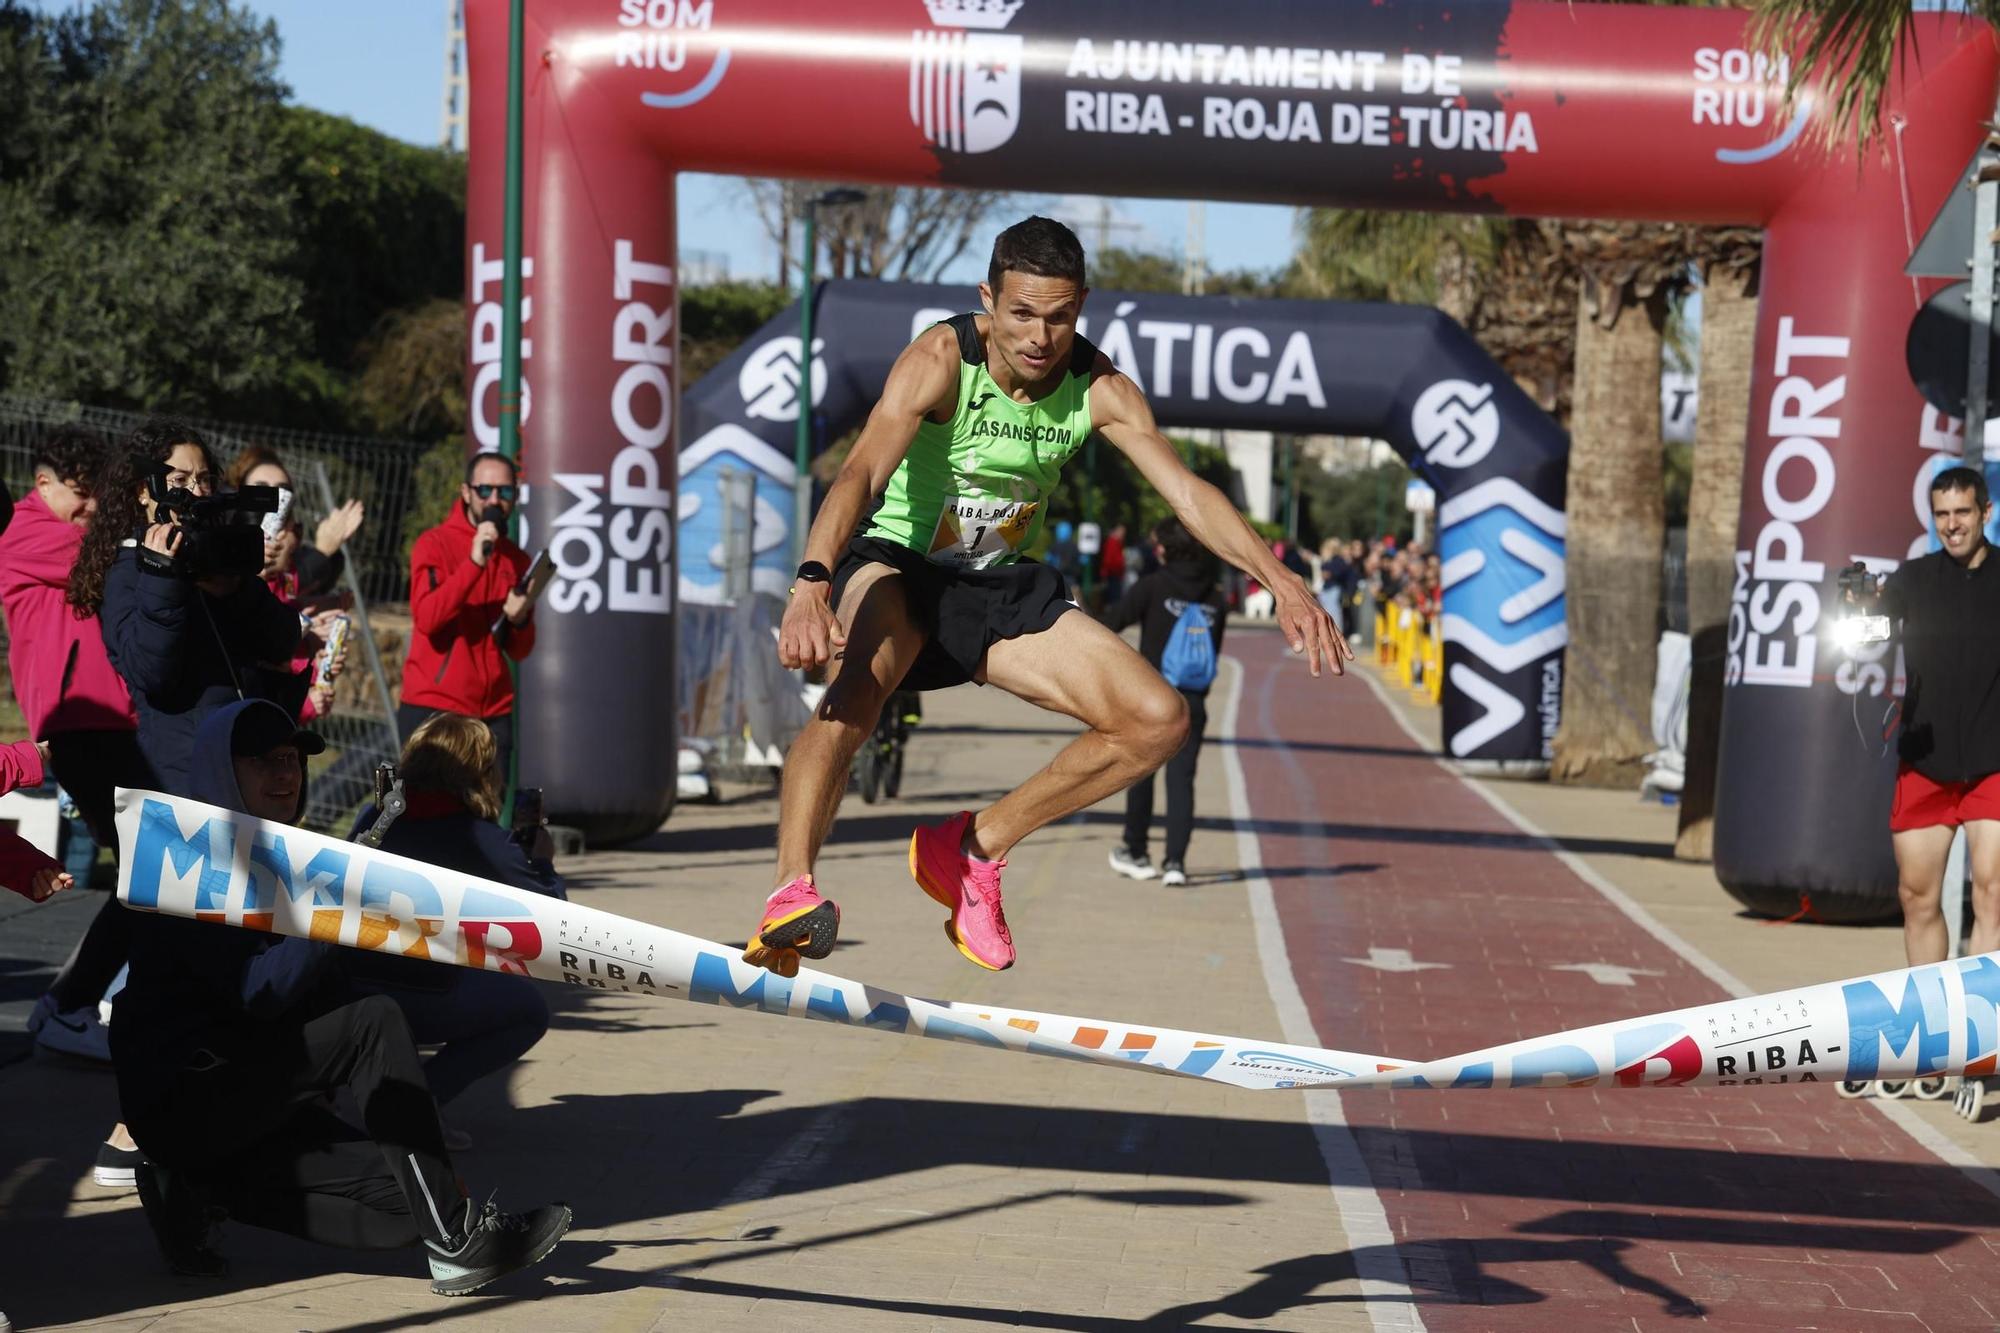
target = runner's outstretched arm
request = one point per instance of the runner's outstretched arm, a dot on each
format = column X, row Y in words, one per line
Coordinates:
column 1120, row 413
column 923, row 382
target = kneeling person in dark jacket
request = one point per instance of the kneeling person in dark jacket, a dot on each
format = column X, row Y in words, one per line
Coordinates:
column 230, row 1044
column 481, row 1021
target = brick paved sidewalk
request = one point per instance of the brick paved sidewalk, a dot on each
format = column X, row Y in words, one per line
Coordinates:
column 735, row 1171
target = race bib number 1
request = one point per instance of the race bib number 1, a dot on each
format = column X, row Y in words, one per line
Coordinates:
column 979, row 531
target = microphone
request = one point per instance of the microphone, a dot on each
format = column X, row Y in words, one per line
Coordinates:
column 497, row 516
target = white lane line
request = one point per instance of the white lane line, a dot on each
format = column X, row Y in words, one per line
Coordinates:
column 1905, row 1119
column 1384, row 1282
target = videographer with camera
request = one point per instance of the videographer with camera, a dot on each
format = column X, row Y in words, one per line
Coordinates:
column 469, row 615
column 170, row 568
column 1948, row 606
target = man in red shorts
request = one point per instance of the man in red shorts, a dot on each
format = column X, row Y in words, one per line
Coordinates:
column 1948, row 603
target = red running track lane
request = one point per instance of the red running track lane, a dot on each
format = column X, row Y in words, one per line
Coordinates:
column 1641, row 1209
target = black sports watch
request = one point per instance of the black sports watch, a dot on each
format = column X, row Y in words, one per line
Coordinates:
column 812, row 571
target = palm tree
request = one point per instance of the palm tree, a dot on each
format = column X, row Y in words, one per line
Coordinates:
column 1728, row 260
column 1503, row 279
column 1616, row 505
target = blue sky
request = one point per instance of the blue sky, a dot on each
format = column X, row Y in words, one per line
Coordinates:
column 381, row 62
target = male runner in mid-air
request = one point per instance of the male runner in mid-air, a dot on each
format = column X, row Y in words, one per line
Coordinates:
column 913, row 576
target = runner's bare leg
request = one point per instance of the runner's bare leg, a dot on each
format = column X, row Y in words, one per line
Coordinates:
column 1079, row 668
column 881, row 644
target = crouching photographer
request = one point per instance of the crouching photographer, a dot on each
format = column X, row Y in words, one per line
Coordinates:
column 1947, row 605
column 440, row 810
column 170, row 568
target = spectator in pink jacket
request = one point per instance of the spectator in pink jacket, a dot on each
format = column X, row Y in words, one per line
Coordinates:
column 64, row 681
column 77, row 706
column 24, row 867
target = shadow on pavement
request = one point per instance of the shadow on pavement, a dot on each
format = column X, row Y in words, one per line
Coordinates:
column 1392, row 833
column 627, row 1158
column 896, row 822
column 896, row 825
column 1239, row 742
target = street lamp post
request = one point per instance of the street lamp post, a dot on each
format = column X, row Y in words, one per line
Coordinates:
column 802, row 488
column 510, row 333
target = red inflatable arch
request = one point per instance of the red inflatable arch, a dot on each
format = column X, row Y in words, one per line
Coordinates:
column 1550, row 109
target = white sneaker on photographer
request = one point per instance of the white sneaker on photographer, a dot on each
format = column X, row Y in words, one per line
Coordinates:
column 117, row 1168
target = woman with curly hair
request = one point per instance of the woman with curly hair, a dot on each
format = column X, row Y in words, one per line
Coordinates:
column 185, row 645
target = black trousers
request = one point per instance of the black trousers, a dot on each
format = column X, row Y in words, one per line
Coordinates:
column 1180, row 791
column 257, row 1135
column 89, row 765
column 411, row 716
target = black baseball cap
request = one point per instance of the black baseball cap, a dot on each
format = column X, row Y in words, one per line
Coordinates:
column 263, row 727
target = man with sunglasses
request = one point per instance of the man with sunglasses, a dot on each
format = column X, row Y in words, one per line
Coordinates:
column 464, row 579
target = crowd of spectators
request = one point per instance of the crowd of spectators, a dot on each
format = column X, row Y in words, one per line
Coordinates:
column 1357, row 577
column 155, row 642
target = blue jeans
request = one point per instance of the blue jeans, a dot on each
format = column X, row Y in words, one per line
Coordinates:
column 484, row 1022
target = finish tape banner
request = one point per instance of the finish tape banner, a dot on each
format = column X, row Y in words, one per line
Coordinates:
column 199, row 861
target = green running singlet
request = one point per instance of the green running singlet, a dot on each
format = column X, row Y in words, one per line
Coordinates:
column 972, row 492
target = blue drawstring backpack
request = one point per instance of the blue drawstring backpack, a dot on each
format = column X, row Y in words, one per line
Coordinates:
column 1188, row 663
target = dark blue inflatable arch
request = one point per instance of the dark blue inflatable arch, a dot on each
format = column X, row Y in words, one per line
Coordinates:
column 1405, row 374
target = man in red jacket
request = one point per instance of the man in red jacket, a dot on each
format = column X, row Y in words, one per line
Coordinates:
column 464, row 579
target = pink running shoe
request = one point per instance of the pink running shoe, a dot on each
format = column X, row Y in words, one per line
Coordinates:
column 969, row 886
column 796, row 921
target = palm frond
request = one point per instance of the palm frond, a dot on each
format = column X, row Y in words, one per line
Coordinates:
column 1365, row 255
column 1853, row 48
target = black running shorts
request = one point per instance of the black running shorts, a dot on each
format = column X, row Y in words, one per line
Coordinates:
column 962, row 612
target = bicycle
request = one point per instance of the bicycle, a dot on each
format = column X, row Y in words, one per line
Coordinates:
column 878, row 768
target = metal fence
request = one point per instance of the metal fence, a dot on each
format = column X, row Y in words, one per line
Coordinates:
column 325, row 468
column 735, row 703
column 380, row 473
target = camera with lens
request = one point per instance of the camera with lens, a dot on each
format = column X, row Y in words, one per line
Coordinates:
column 1856, row 583
column 220, row 534
column 1855, row 627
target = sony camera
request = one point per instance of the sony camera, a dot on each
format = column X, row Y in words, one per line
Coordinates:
column 220, row 534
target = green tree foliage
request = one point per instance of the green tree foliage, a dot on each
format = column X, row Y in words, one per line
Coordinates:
column 1855, row 46
column 1416, row 258
column 1364, row 503
column 145, row 211
column 717, row 319
column 1123, row 270
column 1102, row 485
column 173, row 236
column 412, row 378
column 380, row 225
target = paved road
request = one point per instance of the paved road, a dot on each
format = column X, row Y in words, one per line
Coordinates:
column 735, row 1171
column 1771, row 1207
